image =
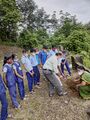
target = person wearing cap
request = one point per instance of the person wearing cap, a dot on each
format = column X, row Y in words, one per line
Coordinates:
column 28, row 69
column 51, row 72
column 9, row 79
column 3, row 100
column 19, row 76
column 43, row 55
column 35, row 67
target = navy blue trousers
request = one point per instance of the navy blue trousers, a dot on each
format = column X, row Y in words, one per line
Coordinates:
column 21, row 89
column 13, row 95
column 67, row 67
column 36, row 75
column 30, row 80
column 4, row 108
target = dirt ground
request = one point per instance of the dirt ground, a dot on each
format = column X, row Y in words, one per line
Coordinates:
column 40, row 106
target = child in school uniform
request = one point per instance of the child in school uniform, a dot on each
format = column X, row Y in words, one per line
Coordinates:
column 35, row 68
column 3, row 100
column 19, row 76
column 9, row 79
column 43, row 55
column 28, row 69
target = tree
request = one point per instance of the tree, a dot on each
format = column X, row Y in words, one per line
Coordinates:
column 9, row 17
column 41, row 19
column 27, row 39
column 27, row 9
column 67, row 23
column 78, row 41
column 42, row 36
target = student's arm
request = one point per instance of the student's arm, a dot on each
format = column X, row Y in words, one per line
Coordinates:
column 31, row 73
column 4, row 78
column 16, row 73
column 83, row 83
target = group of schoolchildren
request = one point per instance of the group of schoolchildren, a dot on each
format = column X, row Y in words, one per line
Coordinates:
column 15, row 71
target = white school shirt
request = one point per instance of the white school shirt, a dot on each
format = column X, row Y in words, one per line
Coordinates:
column 5, row 68
column 25, row 60
column 51, row 64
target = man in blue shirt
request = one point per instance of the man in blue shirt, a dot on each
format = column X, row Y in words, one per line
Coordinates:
column 43, row 55
column 53, row 51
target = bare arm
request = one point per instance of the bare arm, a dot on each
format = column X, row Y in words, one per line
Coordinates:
column 16, row 73
column 31, row 73
column 4, row 78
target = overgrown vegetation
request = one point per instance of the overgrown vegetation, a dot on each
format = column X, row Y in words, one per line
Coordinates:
column 24, row 24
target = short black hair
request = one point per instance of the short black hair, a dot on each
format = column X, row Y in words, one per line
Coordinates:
column 13, row 56
column 53, row 46
column 24, row 51
column 58, row 54
column 45, row 47
column 32, row 50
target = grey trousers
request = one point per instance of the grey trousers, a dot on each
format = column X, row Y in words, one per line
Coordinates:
column 54, row 81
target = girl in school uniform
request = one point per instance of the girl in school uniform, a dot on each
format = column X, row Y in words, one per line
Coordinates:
column 19, row 76
column 9, row 79
column 28, row 70
column 3, row 100
column 35, row 68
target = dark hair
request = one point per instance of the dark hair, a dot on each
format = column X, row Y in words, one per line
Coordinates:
column 53, row 46
column 45, row 47
column 5, row 59
column 24, row 51
column 63, row 60
column 58, row 54
column 13, row 56
column 32, row 50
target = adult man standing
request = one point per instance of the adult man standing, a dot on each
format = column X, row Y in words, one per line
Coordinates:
column 51, row 72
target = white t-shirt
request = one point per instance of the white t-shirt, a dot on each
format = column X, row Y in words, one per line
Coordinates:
column 52, row 64
column 26, row 61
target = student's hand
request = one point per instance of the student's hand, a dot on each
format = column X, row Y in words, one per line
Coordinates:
column 41, row 66
column 23, row 78
column 32, row 74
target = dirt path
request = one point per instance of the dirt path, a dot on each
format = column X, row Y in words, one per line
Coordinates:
column 40, row 106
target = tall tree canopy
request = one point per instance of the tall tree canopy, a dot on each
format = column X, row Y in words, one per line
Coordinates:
column 9, row 17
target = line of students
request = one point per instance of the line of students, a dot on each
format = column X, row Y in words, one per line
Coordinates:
column 14, row 75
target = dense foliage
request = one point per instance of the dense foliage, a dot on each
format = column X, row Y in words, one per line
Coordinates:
column 9, row 17
column 21, row 21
